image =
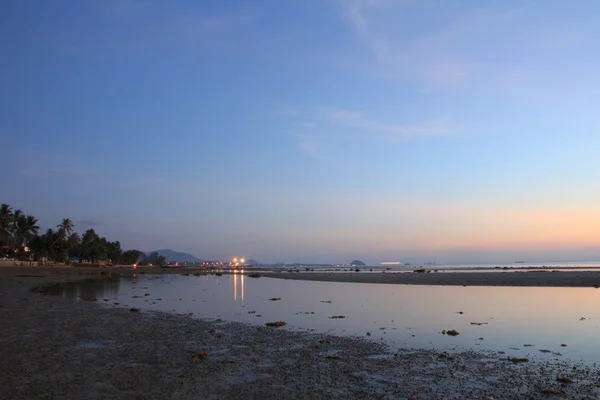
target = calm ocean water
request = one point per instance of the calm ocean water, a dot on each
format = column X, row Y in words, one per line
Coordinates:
column 521, row 321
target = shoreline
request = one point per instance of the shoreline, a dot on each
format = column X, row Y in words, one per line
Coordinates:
column 541, row 278
column 56, row 347
column 516, row 278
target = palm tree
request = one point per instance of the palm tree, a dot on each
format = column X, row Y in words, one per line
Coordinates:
column 17, row 217
column 30, row 227
column 6, row 217
column 65, row 228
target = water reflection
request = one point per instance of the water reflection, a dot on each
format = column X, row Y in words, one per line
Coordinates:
column 89, row 289
column 235, row 285
column 494, row 318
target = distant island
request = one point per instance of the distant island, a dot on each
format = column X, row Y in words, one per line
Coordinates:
column 172, row 255
column 357, row 263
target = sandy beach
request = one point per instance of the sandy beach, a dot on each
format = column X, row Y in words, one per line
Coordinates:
column 53, row 347
column 512, row 278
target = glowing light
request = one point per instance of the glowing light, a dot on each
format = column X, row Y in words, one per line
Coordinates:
column 242, row 260
column 134, row 266
column 235, row 259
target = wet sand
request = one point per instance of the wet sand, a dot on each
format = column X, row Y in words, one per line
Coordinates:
column 53, row 347
column 516, row 278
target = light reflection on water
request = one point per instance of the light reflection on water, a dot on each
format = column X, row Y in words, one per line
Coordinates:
column 510, row 317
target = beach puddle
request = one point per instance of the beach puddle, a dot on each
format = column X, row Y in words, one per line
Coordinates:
column 93, row 345
column 498, row 319
column 246, row 378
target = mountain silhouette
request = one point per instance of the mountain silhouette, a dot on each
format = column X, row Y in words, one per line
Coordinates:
column 172, row 255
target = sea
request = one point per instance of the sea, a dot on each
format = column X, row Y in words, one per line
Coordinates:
column 548, row 323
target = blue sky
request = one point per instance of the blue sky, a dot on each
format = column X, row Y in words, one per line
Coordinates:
column 314, row 131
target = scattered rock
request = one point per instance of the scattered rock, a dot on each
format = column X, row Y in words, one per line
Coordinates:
column 518, row 359
column 275, row 298
column 551, row 391
column 276, row 324
column 134, row 309
column 203, row 355
column 563, row 379
column 452, row 332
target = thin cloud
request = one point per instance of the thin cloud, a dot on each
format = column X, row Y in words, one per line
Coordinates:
column 88, row 223
column 289, row 112
column 392, row 132
column 45, row 171
column 310, row 146
column 159, row 181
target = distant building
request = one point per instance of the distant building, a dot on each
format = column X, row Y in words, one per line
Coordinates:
column 211, row 264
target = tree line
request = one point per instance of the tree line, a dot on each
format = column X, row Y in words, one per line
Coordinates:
column 20, row 239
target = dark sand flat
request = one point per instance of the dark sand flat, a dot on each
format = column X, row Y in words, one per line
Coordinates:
column 56, row 348
column 517, row 278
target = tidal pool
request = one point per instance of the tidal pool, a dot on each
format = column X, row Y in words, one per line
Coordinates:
column 528, row 322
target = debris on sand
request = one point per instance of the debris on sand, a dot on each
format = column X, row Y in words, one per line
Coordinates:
column 333, row 357
column 134, row 309
column 518, row 359
column 275, row 298
column 338, row 317
column 203, row 355
column 563, row 379
column 452, row 332
column 326, row 301
column 276, row 324
column 563, row 345
column 551, row 390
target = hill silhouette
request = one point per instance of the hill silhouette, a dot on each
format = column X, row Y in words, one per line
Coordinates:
column 172, row 255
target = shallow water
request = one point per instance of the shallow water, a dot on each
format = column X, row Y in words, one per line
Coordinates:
column 407, row 316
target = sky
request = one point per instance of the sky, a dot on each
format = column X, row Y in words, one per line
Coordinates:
column 308, row 130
